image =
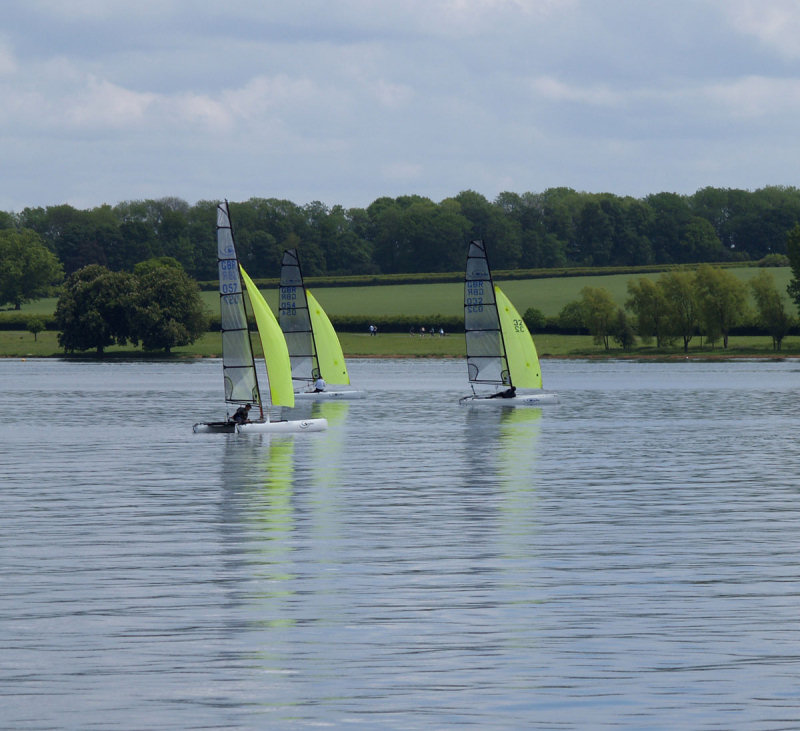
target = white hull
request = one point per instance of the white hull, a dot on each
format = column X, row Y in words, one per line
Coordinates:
column 328, row 395
column 525, row 399
column 299, row 425
column 261, row 427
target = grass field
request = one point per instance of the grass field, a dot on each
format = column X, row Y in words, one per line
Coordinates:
column 22, row 345
column 425, row 300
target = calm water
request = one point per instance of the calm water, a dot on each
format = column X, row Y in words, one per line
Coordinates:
column 627, row 559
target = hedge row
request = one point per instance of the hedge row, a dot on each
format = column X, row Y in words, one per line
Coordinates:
column 369, row 280
column 19, row 321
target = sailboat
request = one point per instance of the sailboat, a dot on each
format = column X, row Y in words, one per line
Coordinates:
column 314, row 348
column 238, row 362
column 501, row 355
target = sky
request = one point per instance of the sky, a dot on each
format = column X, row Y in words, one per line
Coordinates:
column 345, row 101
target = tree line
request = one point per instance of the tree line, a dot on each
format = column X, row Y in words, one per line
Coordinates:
column 555, row 228
column 708, row 302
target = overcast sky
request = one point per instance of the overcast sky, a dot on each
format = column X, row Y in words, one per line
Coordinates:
column 344, row 101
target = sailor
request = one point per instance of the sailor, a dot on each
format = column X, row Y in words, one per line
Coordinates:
column 242, row 414
column 319, row 385
column 508, row 393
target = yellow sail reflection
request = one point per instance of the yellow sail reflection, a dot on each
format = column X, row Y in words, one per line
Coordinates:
column 329, row 448
column 518, row 441
column 517, row 452
column 273, row 516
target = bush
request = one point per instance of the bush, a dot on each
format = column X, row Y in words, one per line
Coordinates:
column 19, row 321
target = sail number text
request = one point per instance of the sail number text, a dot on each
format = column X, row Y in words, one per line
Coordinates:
column 474, row 299
column 288, row 297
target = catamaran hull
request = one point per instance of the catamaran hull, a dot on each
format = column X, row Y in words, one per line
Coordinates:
column 527, row 399
column 300, row 425
column 215, row 427
column 260, row 427
column 328, row 395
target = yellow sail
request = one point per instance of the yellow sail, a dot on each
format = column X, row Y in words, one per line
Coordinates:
column 523, row 362
column 329, row 351
column 276, row 355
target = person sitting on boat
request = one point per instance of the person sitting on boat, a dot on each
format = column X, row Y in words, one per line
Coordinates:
column 319, row 385
column 508, row 393
column 242, row 415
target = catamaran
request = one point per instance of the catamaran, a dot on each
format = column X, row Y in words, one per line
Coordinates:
column 238, row 362
column 500, row 350
column 314, row 348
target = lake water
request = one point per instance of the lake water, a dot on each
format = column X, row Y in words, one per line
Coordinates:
column 626, row 559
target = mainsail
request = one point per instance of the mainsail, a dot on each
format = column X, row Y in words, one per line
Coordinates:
column 314, row 348
column 238, row 366
column 500, row 349
column 486, row 356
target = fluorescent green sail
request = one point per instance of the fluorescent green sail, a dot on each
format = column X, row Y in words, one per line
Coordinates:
column 276, row 355
column 523, row 362
column 329, row 350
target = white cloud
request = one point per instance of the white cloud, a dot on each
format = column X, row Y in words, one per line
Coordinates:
column 776, row 23
column 8, row 62
column 757, row 96
column 559, row 91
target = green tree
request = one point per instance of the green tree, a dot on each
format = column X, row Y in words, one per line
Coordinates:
column 772, row 313
column 793, row 252
column 648, row 303
column 28, row 270
column 622, row 331
column 167, row 310
column 534, row 319
column 35, row 325
column 681, row 296
column 598, row 311
column 571, row 317
column 94, row 309
column 721, row 299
